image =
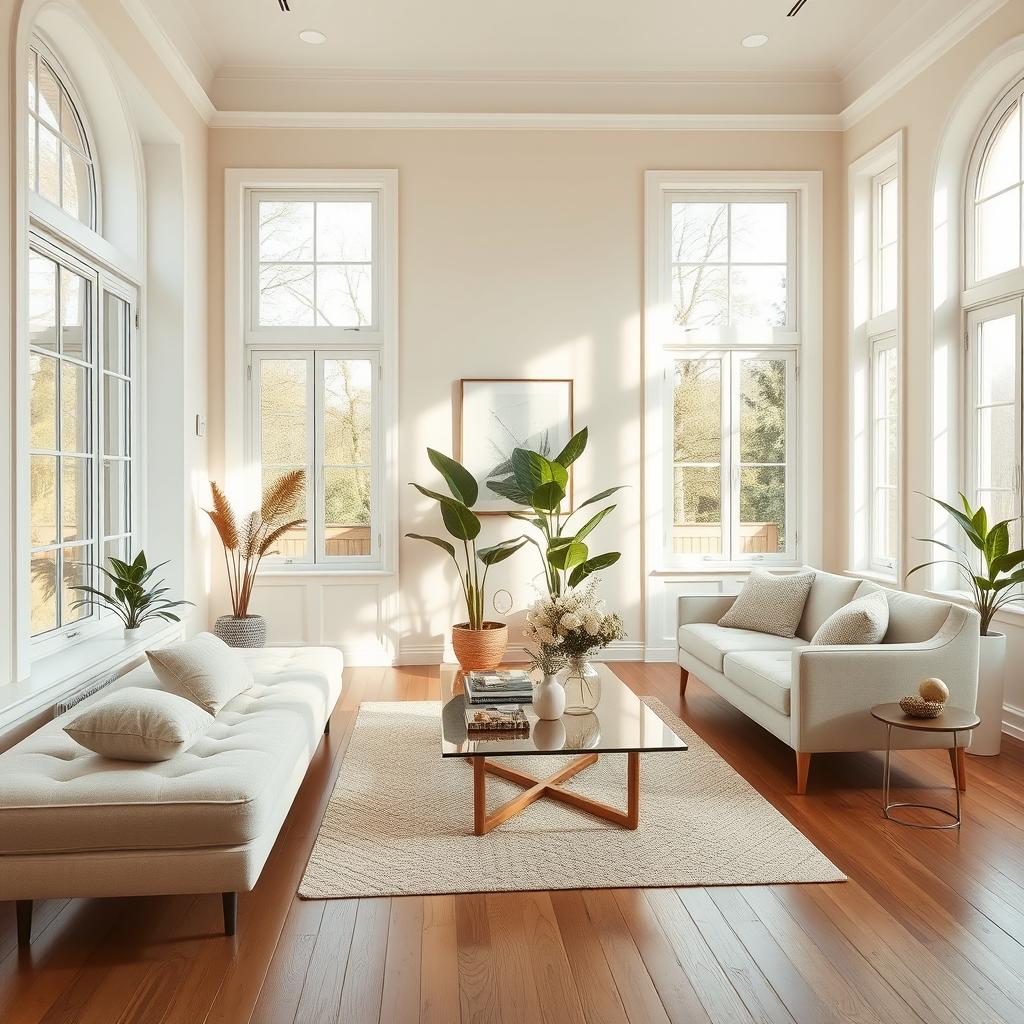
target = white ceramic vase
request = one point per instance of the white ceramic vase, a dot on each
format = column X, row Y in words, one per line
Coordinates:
column 988, row 737
column 549, row 698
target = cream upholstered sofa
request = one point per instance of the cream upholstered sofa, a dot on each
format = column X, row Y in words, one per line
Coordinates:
column 818, row 699
column 73, row 823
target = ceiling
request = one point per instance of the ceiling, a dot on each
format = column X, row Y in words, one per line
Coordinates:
column 574, row 36
column 840, row 46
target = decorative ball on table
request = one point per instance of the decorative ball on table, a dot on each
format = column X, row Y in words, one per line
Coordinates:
column 935, row 690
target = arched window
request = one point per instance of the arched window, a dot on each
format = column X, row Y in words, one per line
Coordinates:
column 82, row 370
column 60, row 161
column 994, row 311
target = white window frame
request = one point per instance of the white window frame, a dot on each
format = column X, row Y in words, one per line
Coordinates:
column 978, row 290
column 730, row 360
column 309, row 334
column 972, row 407
column 316, row 554
column 879, row 423
column 243, row 337
column 870, row 332
column 663, row 341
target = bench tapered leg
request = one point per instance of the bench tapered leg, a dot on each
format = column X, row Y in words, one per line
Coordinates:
column 23, row 910
column 684, row 678
column 230, row 900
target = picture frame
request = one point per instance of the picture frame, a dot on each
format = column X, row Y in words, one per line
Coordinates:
column 497, row 414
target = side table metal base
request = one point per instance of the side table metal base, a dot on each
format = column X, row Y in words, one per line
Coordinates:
column 888, row 805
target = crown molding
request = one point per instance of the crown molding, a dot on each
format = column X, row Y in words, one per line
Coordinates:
column 527, row 122
column 168, row 52
column 933, row 49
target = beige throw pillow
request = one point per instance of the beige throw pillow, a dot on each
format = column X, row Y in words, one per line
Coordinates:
column 769, row 603
column 136, row 724
column 862, row 621
column 203, row 669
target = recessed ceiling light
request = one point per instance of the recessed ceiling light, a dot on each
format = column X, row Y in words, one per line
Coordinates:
column 752, row 42
column 311, row 36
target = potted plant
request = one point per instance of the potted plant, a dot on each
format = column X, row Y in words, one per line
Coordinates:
column 993, row 583
column 478, row 644
column 540, row 484
column 245, row 543
column 135, row 600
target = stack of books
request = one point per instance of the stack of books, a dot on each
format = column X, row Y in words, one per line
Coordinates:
column 512, row 686
column 504, row 720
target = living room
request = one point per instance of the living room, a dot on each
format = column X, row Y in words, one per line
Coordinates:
column 524, row 505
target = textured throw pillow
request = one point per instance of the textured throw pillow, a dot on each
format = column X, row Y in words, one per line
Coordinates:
column 862, row 621
column 769, row 603
column 204, row 669
column 136, row 724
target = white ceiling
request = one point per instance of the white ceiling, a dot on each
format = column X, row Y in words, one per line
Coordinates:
column 683, row 37
column 612, row 56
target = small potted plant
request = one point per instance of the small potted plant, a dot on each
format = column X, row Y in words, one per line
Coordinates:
column 994, row 580
column 478, row 643
column 134, row 599
column 245, row 543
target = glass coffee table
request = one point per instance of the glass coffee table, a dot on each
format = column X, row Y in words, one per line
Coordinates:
column 620, row 724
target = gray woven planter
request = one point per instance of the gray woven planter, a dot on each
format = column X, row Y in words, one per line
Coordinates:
column 248, row 632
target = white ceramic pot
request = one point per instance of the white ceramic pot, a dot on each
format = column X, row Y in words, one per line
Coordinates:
column 549, row 698
column 988, row 737
column 132, row 634
column 549, row 735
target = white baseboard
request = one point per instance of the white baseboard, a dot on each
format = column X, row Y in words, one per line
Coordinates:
column 662, row 654
column 1013, row 721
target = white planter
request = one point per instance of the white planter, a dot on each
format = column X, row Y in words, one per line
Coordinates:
column 988, row 736
column 132, row 634
column 549, row 699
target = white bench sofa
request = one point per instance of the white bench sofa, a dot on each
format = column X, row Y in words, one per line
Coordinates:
column 818, row 699
column 75, row 824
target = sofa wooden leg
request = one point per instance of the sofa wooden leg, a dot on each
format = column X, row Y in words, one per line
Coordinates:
column 684, row 678
column 230, row 900
column 327, row 728
column 23, row 910
column 958, row 762
column 803, row 766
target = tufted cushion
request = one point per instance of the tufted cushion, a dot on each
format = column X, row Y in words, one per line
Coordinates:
column 204, row 670
column 55, row 796
column 138, row 724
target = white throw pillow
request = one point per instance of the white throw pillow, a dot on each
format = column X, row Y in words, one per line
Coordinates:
column 204, row 669
column 862, row 621
column 769, row 603
column 136, row 724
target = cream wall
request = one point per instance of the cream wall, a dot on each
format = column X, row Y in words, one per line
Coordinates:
column 924, row 109
column 170, row 131
column 521, row 254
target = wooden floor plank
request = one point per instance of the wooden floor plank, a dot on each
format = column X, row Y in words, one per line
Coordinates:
column 400, row 997
column 478, row 980
column 439, row 964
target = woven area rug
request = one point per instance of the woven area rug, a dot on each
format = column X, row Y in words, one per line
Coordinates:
column 400, row 822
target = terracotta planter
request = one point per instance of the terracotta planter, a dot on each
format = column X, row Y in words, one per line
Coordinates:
column 480, row 649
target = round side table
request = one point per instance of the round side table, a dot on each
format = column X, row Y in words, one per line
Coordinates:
column 954, row 720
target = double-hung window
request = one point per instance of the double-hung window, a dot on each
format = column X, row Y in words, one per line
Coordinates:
column 318, row 338
column 993, row 300
column 730, row 357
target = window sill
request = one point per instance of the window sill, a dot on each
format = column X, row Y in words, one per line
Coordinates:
column 284, row 571
column 54, row 676
column 1012, row 615
column 725, row 568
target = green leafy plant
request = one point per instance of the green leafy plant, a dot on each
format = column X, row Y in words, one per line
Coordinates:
column 541, row 484
column 463, row 524
column 135, row 599
column 995, row 585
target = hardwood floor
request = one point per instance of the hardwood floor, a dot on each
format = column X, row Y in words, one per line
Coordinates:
column 930, row 927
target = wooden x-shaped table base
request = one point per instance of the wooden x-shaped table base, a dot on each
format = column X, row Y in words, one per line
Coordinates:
column 552, row 788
